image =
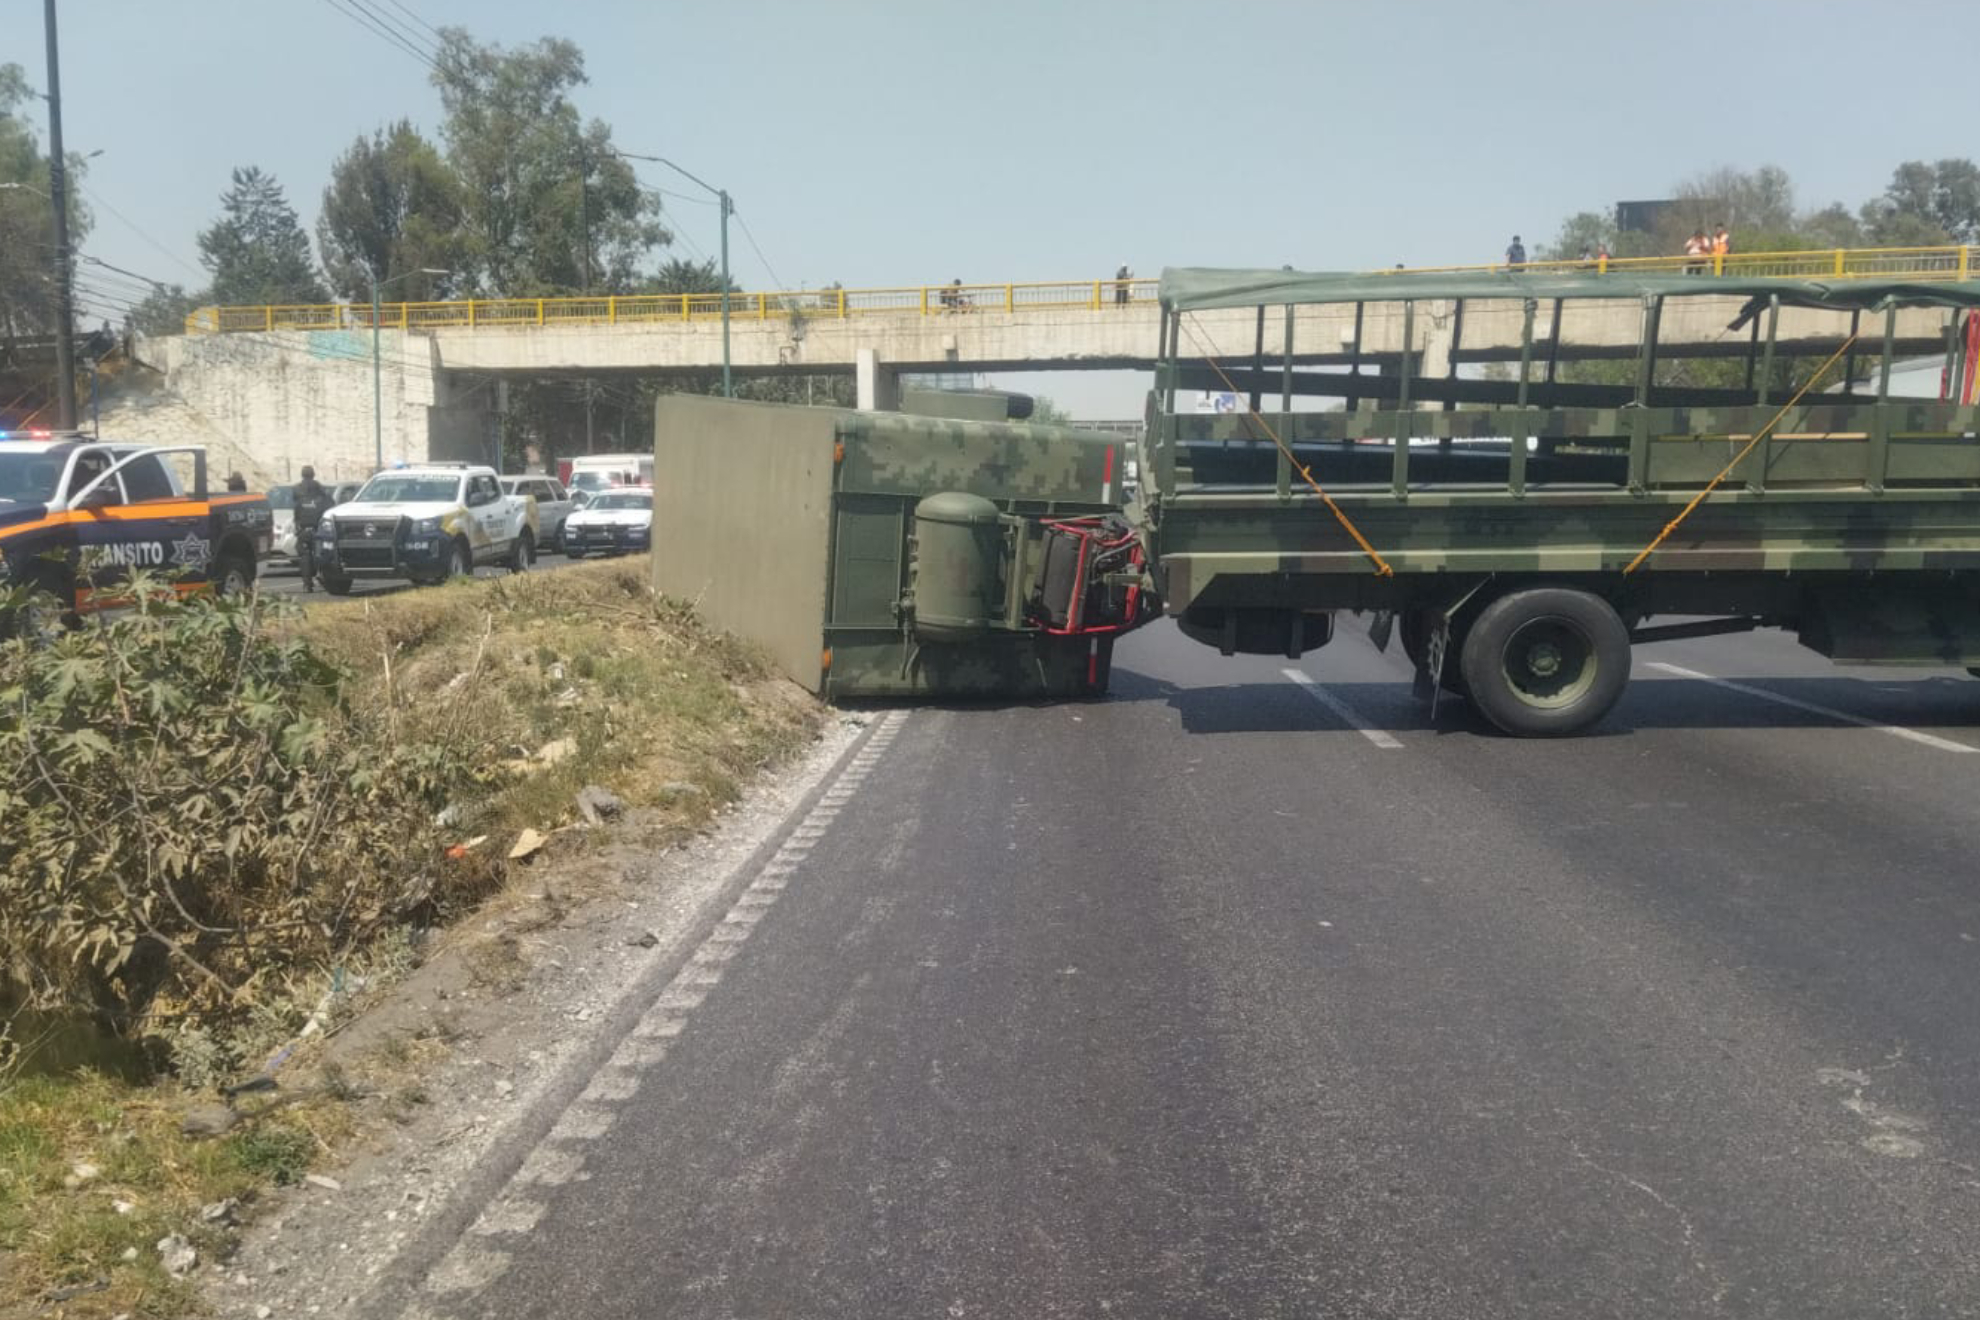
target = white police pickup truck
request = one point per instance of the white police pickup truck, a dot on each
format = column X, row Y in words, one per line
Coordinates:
column 425, row 523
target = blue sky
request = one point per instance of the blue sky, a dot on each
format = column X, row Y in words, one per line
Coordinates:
column 907, row 143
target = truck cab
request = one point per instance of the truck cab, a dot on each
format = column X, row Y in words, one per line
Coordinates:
column 78, row 515
column 425, row 524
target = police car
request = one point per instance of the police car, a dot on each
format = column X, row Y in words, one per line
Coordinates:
column 78, row 516
column 617, row 521
column 426, row 522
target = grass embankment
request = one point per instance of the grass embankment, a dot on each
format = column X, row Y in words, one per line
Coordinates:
column 504, row 697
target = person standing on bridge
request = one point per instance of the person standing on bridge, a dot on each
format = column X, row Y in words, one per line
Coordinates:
column 1516, row 252
column 312, row 501
column 1722, row 244
column 1121, row 278
column 1697, row 248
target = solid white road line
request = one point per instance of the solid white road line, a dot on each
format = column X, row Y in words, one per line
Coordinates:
column 1342, row 709
column 1895, row 730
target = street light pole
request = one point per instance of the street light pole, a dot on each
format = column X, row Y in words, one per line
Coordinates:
column 728, row 386
column 728, row 207
column 58, row 200
column 377, row 381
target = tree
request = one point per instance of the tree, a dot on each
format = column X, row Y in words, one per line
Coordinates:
column 1746, row 200
column 27, row 228
column 550, row 205
column 393, row 207
column 1833, row 227
column 1047, row 413
column 257, row 249
column 163, row 311
column 1924, row 205
column 678, row 275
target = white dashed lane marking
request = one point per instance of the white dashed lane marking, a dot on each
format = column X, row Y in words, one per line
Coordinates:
column 1827, row 712
column 476, row 1261
column 1347, row 713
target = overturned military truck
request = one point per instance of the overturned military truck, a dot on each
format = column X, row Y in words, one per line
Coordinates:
column 880, row 554
column 1515, row 474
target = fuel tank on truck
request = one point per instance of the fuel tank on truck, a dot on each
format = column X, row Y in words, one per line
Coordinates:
column 957, row 567
column 882, row 554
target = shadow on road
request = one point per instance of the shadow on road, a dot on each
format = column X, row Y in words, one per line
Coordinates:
column 1658, row 703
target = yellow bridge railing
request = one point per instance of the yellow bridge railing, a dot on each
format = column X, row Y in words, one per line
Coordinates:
column 1096, row 296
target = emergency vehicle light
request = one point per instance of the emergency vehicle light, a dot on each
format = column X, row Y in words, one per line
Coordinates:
column 23, row 435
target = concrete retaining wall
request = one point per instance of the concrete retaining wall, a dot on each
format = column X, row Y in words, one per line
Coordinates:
column 272, row 402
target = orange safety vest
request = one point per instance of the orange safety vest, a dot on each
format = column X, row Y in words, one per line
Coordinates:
column 1721, row 244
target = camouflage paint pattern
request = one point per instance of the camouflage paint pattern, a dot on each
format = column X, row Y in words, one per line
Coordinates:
column 794, row 527
column 1855, row 521
column 890, row 461
column 1008, row 462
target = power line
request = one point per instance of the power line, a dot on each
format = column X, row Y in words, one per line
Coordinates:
column 414, row 17
column 774, row 276
column 386, row 35
column 395, row 25
column 133, row 226
column 355, row 10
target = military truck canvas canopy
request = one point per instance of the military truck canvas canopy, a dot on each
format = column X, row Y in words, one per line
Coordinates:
column 1195, row 288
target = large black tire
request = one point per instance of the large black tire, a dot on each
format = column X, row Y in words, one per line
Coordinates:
column 572, row 554
column 460, row 562
column 45, row 611
column 336, row 586
column 523, row 553
column 232, row 575
column 1546, row 662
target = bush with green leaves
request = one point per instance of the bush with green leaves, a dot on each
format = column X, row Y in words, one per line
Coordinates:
column 194, row 815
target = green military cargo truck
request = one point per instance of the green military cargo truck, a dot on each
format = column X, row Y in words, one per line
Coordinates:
column 1517, row 474
column 1527, row 467
column 877, row 554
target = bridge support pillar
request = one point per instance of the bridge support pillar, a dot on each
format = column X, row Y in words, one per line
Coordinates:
column 1433, row 348
column 879, row 385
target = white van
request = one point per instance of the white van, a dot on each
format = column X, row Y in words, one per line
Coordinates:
column 599, row 472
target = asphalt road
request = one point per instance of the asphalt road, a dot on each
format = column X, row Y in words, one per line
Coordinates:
column 1231, row 996
column 285, row 580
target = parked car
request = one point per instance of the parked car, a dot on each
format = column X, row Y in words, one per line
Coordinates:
column 425, row 523
column 553, row 505
column 616, row 522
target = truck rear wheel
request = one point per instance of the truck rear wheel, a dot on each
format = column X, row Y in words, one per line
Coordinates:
column 1546, row 662
column 523, row 554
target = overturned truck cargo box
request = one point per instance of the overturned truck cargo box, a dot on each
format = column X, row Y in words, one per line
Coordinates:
column 877, row 554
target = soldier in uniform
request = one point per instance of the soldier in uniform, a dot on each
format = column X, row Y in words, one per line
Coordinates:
column 312, row 502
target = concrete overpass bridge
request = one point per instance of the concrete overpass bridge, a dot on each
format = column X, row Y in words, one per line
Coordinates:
column 295, row 384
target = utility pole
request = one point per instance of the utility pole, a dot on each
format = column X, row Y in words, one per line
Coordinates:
column 584, row 209
column 728, row 209
column 58, row 200
column 584, row 221
column 377, row 380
